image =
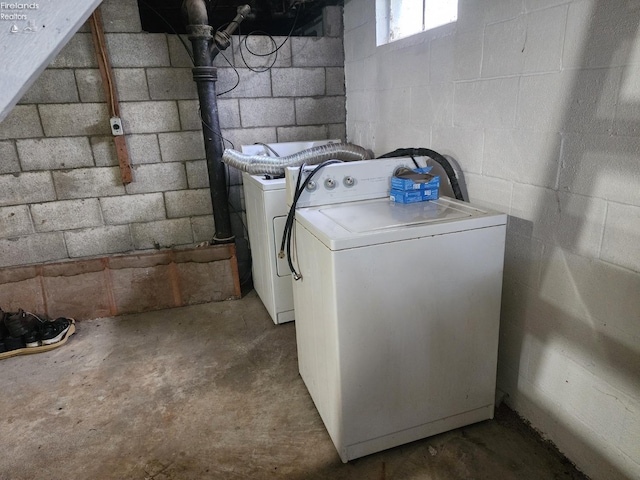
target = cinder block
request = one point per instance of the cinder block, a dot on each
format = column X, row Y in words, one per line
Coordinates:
column 133, row 208
column 104, row 151
column 467, row 55
column 248, row 136
column 522, row 156
column 54, row 153
column 66, row 215
column 177, row 146
column 88, row 182
column 90, row 85
column 573, row 222
column 590, row 42
column 158, row 177
column 9, row 158
column 317, row 52
column 430, row 105
column 360, row 43
column 357, row 14
column 203, row 228
column 143, row 149
column 15, row 221
column 131, row 84
column 29, row 187
column 590, row 100
column 98, row 241
column 541, row 102
column 126, row 50
column 120, row 16
column 581, row 286
column 162, row 234
column 188, row 203
column 79, row 52
column 149, row 117
column 300, row 134
column 522, row 259
column 228, row 114
column 503, row 48
column 473, row 15
column 298, row 82
column 464, row 145
column 486, row 103
column 313, row 111
column 52, row 86
column 335, row 80
column 21, row 122
column 622, row 236
column 586, row 159
column 260, row 45
column 627, row 110
column 545, row 40
column 494, row 193
column 178, row 54
column 337, row 131
column 171, row 83
column 76, row 119
column 249, row 85
column 37, row 248
column 332, row 21
column 263, row 112
column 197, row 174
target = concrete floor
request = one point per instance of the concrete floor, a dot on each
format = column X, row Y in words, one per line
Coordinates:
column 213, row 392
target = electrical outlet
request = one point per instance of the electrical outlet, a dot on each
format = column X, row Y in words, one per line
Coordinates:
column 116, row 126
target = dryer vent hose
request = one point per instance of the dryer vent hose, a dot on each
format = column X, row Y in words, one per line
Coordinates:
column 259, row 164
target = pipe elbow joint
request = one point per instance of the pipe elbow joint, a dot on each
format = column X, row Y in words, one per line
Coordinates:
column 196, row 11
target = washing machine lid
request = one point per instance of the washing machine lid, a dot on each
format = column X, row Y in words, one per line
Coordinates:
column 371, row 222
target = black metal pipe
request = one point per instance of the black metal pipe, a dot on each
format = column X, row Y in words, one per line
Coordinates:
column 205, row 76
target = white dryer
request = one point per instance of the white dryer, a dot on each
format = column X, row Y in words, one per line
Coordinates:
column 266, row 209
column 397, row 310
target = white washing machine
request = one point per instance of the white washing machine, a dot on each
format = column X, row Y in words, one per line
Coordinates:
column 266, row 209
column 397, row 310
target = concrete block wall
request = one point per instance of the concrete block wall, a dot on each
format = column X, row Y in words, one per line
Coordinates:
column 60, row 191
column 537, row 102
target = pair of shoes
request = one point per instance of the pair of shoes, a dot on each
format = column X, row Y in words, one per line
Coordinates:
column 34, row 330
column 23, row 333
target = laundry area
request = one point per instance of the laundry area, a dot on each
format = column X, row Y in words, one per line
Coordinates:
column 320, row 239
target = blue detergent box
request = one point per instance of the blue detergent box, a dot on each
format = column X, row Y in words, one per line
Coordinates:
column 412, row 196
column 417, row 179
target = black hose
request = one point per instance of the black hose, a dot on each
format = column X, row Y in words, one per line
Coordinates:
column 426, row 152
column 288, row 226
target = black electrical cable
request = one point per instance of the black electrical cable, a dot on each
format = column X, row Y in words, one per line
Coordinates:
column 161, row 17
column 235, row 71
column 268, row 148
column 288, row 226
column 298, row 6
column 440, row 159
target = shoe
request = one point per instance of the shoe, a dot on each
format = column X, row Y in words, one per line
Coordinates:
column 52, row 332
column 18, row 324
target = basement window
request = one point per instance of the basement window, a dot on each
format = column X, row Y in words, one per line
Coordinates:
column 398, row 19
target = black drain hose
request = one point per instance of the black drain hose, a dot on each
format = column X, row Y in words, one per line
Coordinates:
column 425, row 152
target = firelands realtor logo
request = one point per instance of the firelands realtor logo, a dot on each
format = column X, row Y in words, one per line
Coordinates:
column 17, row 14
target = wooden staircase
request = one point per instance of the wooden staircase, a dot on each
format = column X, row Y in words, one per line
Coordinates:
column 29, row 40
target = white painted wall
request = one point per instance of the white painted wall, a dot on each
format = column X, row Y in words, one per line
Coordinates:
column 24, row 54
column 539, row 102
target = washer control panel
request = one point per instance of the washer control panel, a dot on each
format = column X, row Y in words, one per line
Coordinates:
column 345, row 182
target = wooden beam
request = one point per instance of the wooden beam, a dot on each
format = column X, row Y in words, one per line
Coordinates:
column 110, row 92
